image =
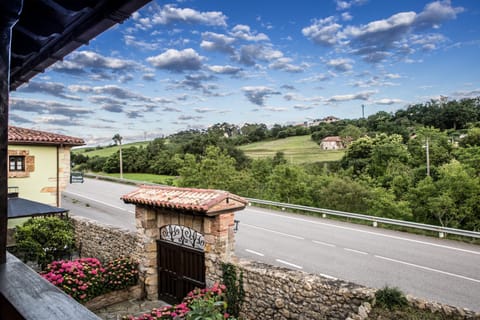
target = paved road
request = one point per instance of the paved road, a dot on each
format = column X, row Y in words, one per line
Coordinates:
column 436, row 269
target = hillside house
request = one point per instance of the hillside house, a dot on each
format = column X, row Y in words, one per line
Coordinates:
column 332, row 143
column 39, row 163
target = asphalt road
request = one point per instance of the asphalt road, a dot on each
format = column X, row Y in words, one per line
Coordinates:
column 435, row 269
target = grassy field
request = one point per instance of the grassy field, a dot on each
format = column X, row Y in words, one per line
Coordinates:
column 107, row 151
column 299, row 149
column 144, row 177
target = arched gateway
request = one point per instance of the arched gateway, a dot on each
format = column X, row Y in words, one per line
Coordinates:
column 185, row 234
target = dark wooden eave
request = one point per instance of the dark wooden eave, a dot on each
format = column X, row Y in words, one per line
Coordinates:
column 48, row 30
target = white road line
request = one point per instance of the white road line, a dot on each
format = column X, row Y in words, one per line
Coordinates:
column 273, row 231
column 428, row 269
column 324, row 243
column 255, row 252
column 368, row 232
column 328, row 277
column 98, row 201
column 355, row 251
column 289, row 264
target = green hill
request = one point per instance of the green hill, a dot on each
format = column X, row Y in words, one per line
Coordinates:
column 107, row 151
column 298, row 149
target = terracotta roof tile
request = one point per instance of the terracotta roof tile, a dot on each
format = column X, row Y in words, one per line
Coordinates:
column 29, row 136
column 196, row 200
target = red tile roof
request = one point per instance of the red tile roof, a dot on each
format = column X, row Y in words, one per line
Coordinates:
column 29, row 136
column 196, row 200
column 332, row 139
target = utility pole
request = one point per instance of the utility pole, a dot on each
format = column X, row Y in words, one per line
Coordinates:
column 428, row 157
column 363, row 111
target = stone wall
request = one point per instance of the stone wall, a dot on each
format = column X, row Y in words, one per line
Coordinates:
column 108, row 299
column 280, row 293
column 104, row 242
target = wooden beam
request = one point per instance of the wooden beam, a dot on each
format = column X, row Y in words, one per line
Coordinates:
column 9, row 15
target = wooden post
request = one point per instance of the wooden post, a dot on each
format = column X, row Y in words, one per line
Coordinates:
column 9, row 15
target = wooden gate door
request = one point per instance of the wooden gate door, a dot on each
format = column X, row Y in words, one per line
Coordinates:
column 181, row 262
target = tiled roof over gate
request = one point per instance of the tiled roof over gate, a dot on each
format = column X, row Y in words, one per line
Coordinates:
column 196, row 200
column 29, row 136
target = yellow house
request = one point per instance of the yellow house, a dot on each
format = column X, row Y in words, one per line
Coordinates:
column 39, row 163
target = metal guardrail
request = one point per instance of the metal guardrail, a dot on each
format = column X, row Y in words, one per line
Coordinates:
column 441, row 230
column 375, row 220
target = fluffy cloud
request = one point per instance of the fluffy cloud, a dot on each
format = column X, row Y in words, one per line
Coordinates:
column 212, row 41
column 48, row 107
column 133, row 42
column 51, row 88
column 170, row 14
column 377, row 40
column 243, row 32
column 79, row 61
column 341, row 65
column 177, row 61
column 188, row 117
column 112, row 90
column 227, row 69
column 354, row 96
column 115, row 108
column 323, row 31
column 302, row 107
column 345, row 5
column 257, row 95
column 204, row 110
column 249, row 54
column 387, row 101
column 197, row 82
column 286, row 65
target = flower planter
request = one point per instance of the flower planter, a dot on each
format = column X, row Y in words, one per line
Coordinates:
column 105, row 300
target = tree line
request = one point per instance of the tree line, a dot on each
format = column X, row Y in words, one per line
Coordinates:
column 386, row 170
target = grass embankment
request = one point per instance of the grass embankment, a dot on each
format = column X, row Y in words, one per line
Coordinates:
column 107, row 151
column 144, row 177
column 298, row 149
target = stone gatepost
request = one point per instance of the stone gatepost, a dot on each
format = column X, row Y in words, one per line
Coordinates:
column 208, row 212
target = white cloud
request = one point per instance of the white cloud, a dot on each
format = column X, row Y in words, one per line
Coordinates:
column 387, row 101
column 323, row 31
column 243, row 32
column 227, row 69
column 169, row 14
column 340, row 64
column 177, row 61
column 212, row 41
column 354, row 96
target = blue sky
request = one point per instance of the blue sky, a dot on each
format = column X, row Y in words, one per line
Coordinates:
column 190, row 64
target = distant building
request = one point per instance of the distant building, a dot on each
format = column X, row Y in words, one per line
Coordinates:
column 332, row 143
column 317, row 122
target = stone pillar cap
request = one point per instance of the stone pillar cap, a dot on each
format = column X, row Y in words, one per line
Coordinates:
column 203, row 201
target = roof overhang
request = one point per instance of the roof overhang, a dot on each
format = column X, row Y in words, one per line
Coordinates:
column 48, row 30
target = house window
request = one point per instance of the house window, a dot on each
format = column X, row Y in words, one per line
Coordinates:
column 17, row 163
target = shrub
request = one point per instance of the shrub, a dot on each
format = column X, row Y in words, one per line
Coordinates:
column 45, row 239
column 390, row 298
column 235, row 293
column 85, row 278
column 199, row 304
column 120, row 273
column 81, row 278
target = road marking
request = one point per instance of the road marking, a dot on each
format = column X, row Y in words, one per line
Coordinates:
column 289, row 264
column 98, row 201
column 273, row 231
column 328, row 277
column 355, row 251
column 255, row 252
column 324, row 243
column 368, row 232
column 427, row 268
